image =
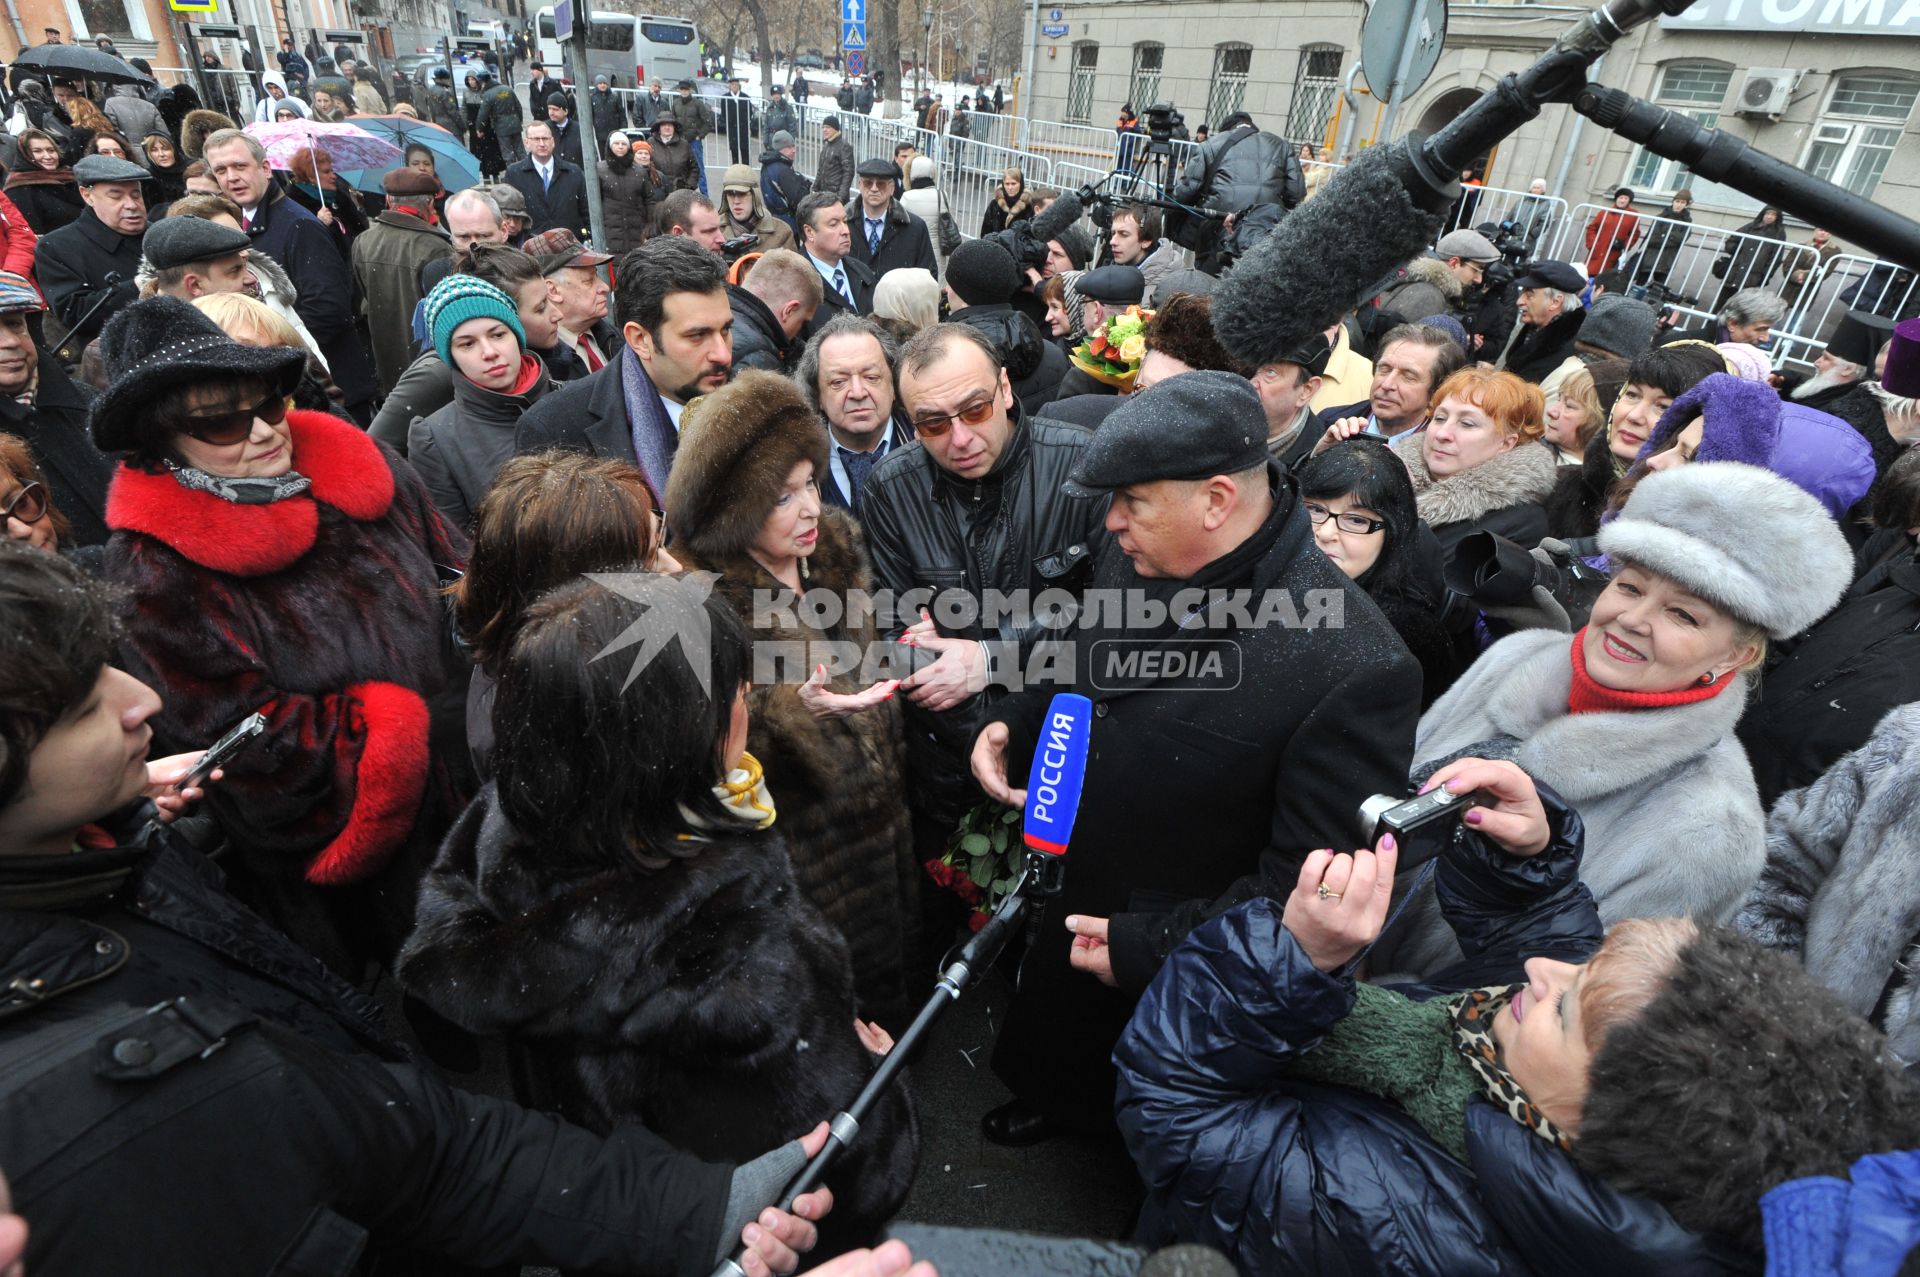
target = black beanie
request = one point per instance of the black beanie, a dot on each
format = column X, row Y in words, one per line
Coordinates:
column 1743, row 1073
column 1079, row 248
column 981, row 273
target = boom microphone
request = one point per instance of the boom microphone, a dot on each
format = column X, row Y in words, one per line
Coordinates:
column 1064, row 212
column 1053, row 784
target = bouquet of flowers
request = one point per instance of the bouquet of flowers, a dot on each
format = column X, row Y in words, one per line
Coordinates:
column 1113, row 354
column 983, row 860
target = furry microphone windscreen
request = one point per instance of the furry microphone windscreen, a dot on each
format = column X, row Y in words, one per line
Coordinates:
column 1319, row 262
column 1061, row 214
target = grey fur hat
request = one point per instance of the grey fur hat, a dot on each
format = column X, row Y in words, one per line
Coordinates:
column 1740, row 537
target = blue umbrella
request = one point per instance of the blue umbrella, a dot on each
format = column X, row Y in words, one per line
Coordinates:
column 457, row 167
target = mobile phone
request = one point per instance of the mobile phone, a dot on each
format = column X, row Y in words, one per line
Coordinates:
column 224, row 750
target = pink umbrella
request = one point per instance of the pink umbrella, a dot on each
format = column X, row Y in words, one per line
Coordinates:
column 348, row 147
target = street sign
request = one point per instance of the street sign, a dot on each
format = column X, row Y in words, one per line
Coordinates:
column 854, row 11
column 1400, row 44
column 343, row 37
column 216, row 31
column 1055, row 30
column 193, row 6
column 856, row 63
column 853, row 37
column 563, row 20
column 1054, row 15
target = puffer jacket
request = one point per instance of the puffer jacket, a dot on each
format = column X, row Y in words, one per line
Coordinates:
column 1258, row 179
column 1287, row 1176
column 626, row 204
column 1034, row 365
column 1864, row 1225
column 1011, row 530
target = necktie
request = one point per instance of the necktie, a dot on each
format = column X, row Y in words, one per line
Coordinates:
column 590, row 353
column 840, row 285
column 873, row 236
column 546, row 178
column 858, row 465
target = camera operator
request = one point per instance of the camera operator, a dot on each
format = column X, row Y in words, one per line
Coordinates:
column 1436, row 283
column 1250, row 178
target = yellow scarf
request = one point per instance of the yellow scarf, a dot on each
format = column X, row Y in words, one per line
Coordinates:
column 743, row 792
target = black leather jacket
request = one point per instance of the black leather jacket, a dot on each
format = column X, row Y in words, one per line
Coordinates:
column 1010, row 531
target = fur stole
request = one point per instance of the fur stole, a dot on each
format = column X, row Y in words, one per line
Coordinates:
column 348, row 470
column 1522, row 475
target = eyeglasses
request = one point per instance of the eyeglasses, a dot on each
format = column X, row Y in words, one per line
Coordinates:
column 29, row 505
column 228, row 428
column 1347, row 521
column 934, row 427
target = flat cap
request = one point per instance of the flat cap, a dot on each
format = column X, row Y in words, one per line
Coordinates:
column 1193, row 426
column 1115, row 285
column 1312, row 355
column 175, row 241
column 409, row 181
column 877, row 167
column 508, row 199
column 1555, row 275
column 559, row 248
column 1468, row 246
column 684, row 84
column 105, row 168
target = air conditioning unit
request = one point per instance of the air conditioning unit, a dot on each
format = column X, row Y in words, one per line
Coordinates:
column 1765, row 90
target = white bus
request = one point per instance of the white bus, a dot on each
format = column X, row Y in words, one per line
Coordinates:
column 629, row 50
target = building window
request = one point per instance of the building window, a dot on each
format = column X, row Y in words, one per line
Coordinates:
column 1695, row 90
column 124, row 18
column 1147, row 60
column 1857, row 133
column 1231, row 65
column 1315, row 91
column 1086, row 56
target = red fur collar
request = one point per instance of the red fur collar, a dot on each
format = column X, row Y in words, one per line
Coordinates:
column 348, row 472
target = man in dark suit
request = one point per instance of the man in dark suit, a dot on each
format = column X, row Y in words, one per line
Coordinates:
column 676, row 327
column 885, row 235
column 846, row 372
column 41, row 405
column 825, row 239
column 554, row 188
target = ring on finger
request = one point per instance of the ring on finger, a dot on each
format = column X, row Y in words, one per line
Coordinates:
column 1325, row 894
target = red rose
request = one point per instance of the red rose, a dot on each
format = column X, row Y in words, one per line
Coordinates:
column 977, row 921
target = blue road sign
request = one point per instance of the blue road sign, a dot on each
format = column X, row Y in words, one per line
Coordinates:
column 1054, row 30
column 563, row 20
column 1054, row 15
column 853, row 11
column 853, row 35
column 856, row 63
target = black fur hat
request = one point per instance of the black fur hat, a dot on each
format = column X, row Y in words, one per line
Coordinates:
column 1743, row 1073
column 737, row 447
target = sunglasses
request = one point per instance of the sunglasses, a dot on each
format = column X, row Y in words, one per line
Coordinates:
column 228, row 428
column 934, row 427
column 29, row 505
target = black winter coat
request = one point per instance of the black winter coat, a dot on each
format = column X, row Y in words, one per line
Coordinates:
column 782, row 188
column 707, row 999
column 835, row 175
column 322, row 612
column 627, row 201
column 1821, row 699
column 1195, row 798
column 1288, row 1176
column 306, row 1139
column 676, row 162
column 758, row 341
column 285, row 231
column 903, row 242
column 1538, row 351
column 72, row 266
column 560, row 206
column 1034, row 365
column 47, row 206
column 608, row 114
column 55, row 431
column 860, row 279
column 1012, row 530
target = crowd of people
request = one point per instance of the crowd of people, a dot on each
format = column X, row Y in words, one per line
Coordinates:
column 641, row 645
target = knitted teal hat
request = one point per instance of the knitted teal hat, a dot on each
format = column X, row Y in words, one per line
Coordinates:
column 458, row 298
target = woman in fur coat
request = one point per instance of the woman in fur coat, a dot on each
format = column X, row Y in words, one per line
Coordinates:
column 1011, row 203
column 1841, row 890
column 618, row 901
column 745, row 499
column 1633, row 720
column 1478, row 465
column 280, row 562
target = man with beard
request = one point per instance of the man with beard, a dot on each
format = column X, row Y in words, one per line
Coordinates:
column 676, row 327
column 1840, row 377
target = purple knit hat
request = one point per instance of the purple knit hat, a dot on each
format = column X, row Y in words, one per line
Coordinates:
column 1743, row 421
column 1903, row 360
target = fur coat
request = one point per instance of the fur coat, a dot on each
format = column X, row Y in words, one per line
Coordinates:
column 1674, row 823
column 1503, row 494
column 321, row 612
column 1841, row 888
column 707, row 999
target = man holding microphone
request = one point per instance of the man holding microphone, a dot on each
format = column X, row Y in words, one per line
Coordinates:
column 1246, row 698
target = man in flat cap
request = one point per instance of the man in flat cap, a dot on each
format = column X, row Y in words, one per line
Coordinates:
column 1550, row 319
column 387, row 260
column 87, row 267
column 885, row 235
column 193, row 257
column 1246, row 699
column 1104, row 293
column 573, row 269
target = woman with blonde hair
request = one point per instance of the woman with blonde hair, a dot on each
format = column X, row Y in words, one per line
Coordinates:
column 1012, row 202
column 908, row 300
column 1573, row 417
column 1474, row 466
column 254, row 323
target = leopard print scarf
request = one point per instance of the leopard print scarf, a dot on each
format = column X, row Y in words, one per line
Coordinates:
column 1473, row 1013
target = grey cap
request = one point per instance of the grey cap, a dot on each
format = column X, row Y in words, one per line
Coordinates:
column 780, row 140
column 1115, row 285
column 1468, row 246
column 105, row 168
column 1222, row 429
column 509, row 200
column 877, row 167
column 1619, row 325
column 175, row 241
